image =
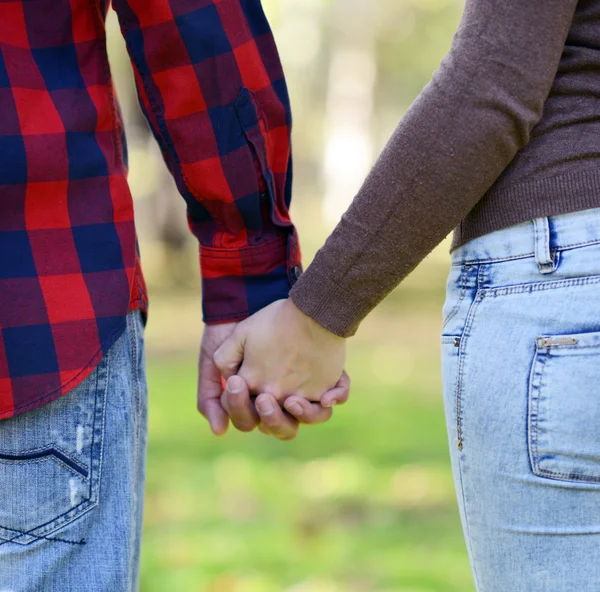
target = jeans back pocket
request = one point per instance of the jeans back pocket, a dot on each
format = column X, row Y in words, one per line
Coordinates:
column 564, row 407
column 50, row 462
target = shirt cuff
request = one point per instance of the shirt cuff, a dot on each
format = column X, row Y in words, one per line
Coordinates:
column 236, row 283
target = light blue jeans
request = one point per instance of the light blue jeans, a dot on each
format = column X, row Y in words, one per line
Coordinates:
column 72, row 480
column 521, row 380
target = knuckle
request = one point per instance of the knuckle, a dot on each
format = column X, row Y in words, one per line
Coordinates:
column 251, row 381
column 219, row 359
column 271, row 421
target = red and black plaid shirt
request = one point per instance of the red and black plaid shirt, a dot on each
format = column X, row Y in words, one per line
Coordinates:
column 211, row 86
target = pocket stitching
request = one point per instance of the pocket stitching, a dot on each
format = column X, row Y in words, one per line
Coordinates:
column 473, row 308
column 533, row 433
column 539, row 286
column 461, row 297
column 573, row 476
column 573, row 346
column 59, row 522
column 52, row 448
column 49, row 457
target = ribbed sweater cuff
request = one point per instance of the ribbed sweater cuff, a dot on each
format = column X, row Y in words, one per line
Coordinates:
column 334, row 308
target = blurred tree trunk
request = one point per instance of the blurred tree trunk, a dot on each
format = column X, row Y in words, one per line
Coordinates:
column 349, row 105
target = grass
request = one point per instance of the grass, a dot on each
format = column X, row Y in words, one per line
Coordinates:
column 364, row 503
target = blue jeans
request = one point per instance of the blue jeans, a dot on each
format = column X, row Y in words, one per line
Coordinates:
column 72, row 480
column 521, row 381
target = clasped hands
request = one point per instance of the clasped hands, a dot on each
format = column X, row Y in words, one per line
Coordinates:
column 282, row 370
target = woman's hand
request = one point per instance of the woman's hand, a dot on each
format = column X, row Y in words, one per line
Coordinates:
column 281, row 351
column 235, row 403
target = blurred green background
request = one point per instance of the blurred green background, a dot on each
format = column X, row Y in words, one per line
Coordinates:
column 366, row 502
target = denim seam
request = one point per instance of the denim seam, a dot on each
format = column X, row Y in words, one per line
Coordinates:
column 572, row 346
column 581, row 244
column 530, row 436
column 464, row 334
column 40, row 538
column 92, row 445
column 49, row 457
column 461, row 297
column 53, row 446
column 54, row 524
column 476, row 261
column 566, row 247
column 537, row 393
column 461, row 357
column 133, row 336
column 461, row 354
column 101, row 443
column 539, row 286
column 467, row 528
column 576, row 477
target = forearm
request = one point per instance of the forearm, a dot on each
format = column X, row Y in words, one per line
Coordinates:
column 453, row 143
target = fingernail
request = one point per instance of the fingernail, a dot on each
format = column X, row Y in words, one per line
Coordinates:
column 235, row 384
column 295, row 409
column 331, row 403
column 264, row 406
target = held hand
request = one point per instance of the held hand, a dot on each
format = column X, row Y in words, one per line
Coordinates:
column 235, row 402
column 265, row 412
column 281, row 351
column 210, row 387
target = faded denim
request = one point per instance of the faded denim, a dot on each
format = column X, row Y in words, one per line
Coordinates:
column 72, row 480
column 520, row 351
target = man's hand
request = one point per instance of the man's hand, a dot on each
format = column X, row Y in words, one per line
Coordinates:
column 266, row 413
column 210, row 387
column 281, row 351
column 263, row 412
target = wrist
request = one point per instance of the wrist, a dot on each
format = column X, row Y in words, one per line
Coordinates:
column 312, row 328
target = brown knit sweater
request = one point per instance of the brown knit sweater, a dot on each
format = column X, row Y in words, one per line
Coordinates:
column 507, row 130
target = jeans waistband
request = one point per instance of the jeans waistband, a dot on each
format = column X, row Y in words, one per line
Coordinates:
column 540, row 237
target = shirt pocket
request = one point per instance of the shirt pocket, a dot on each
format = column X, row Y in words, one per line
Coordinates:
column 564, row 407
column 50, row 462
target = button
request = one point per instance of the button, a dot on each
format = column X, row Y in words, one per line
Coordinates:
column 295, row 272
column 264, row 196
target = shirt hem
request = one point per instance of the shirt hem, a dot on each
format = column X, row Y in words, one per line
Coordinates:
column 75, row 381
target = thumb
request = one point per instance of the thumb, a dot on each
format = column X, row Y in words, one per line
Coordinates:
column 230, row 354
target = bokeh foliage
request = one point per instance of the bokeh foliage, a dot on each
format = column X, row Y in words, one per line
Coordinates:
column 365, row 503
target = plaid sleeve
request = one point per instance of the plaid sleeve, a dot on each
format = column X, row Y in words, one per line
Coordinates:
column 211, row 85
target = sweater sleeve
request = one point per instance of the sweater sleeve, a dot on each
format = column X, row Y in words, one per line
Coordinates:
column 455, row 140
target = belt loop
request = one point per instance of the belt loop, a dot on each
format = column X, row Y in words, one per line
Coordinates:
column 547, row 263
